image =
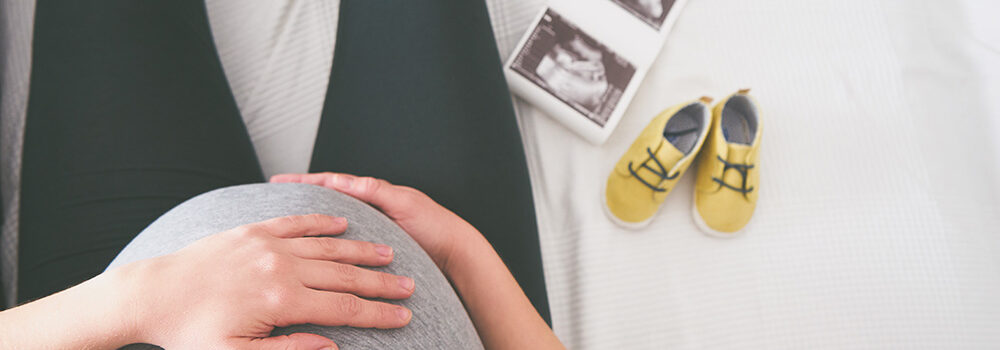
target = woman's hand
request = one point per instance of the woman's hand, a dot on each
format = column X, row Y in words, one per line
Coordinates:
column 461, row 252
column 436, row 229
column 225, row 291
column 229, row 290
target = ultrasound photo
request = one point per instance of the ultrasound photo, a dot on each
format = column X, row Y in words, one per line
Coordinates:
column 653, row 12
column 573, row 67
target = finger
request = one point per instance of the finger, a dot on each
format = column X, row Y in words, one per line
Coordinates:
column 296, row 341
column 327, row 179
column 318, row 179
column 341, row 309
column 290, row 178
column 371, row 190
column 302, row 225
column 341, row 250
column 395, row 201
column 344, row 278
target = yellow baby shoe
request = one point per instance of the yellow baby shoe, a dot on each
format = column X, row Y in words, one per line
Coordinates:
column 728, row 171
column 647, row 172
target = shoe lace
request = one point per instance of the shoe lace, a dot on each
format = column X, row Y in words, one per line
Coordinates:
column 743, row 169
column 662, row 173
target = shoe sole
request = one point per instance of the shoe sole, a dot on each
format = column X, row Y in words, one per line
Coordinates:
column 700, row 222
column 621, row 223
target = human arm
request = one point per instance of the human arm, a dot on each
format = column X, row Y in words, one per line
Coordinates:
column 502, row 314
column 228, row 290
column 92, row 315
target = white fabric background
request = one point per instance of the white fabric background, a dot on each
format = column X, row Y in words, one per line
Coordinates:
column 877, row 220
column 878, row 217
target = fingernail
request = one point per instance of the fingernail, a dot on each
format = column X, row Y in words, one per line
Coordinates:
column 341, row 182
column 329, row 348
column 383, row 250
column 406, row 283
column 403, row 313
column 339, row 220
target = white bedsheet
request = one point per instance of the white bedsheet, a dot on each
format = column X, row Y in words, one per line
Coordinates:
column 878, row 214
column 878, row 219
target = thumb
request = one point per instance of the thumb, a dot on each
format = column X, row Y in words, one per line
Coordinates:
column 297, row 341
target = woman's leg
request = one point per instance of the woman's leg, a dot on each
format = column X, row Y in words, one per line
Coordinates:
column 417, row 97
column 129, row 115
column 439, row 320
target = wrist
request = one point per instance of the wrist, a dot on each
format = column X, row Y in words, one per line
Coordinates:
column 92, row 315
column 465, row 248
column 141, row 310
column 120, row 297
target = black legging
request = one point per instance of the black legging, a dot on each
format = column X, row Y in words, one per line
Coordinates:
column 130, row 114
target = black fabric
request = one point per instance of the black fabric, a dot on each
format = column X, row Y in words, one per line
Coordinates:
column 129, row 114
column 417, row 97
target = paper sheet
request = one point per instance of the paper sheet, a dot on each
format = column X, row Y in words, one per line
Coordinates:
column 583, row 60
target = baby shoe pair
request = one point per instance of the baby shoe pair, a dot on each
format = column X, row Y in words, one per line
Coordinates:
column 726, row 141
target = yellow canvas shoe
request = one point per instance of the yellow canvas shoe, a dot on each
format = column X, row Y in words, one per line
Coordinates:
column 647, row 172
column 728, row 171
